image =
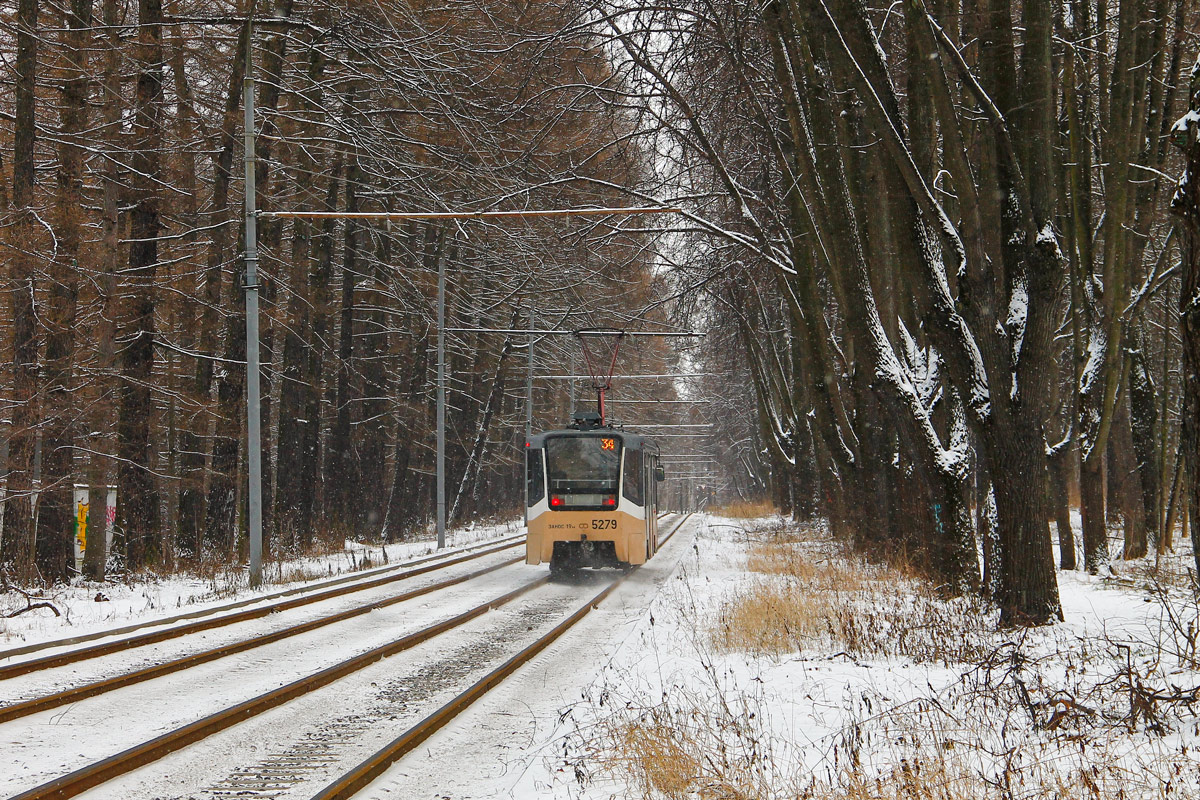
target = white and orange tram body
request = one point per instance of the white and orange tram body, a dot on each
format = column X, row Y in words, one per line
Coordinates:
column 591, row 498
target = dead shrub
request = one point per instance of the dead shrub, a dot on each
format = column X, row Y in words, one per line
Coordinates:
column 654, row 752
column 915, row 779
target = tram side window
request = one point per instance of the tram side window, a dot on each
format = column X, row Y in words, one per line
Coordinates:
column 534, row 476
column 632, row 488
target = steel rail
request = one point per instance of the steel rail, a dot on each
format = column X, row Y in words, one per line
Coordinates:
column 674, row 530
column 47, row 702
column 85, row 778
column 73, row 656
column 370, row 769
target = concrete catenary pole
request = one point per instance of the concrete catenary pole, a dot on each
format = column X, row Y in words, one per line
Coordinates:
column 528, row 401
column 441, row 404
column 529, row 380
column 253, row 400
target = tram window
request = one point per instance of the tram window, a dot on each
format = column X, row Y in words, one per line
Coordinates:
column 535, row 476
column 584, row 471
column 633, row 476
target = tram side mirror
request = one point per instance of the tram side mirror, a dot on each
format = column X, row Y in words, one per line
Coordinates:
column 660, row 474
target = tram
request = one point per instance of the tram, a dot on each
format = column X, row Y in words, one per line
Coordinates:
column 591, row 497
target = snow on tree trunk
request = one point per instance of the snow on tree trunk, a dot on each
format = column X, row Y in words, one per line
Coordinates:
column 1186, row 204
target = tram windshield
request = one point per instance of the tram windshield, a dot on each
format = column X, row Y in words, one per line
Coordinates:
column 584, row 471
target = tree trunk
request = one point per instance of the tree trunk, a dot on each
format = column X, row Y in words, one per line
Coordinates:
column 138, row 494
column 221, row 513
column 17, row 541
column 341, row 461
column 1091, row 511
column 1186, row 204
column 1144, row 423
column 475, row 459
column 398, row 514
column 1128, row 483
column 56, row 516
column 99, row 471
column 297, row 443
column 1060, row 468
column 1028, row 590
column 372, row 364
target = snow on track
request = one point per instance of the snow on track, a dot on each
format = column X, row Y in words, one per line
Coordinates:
column 496, row 748
column 34, row 747
column 45, row 681
column 294, row 750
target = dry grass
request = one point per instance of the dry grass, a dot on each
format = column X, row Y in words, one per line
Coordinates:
column 805, row 602
column 769, row 619
column 684, row 748
column 815, row 572
column 746, row 510
column 689, row 747
column 658, row 756
column 909, row 780
column 1031, row 775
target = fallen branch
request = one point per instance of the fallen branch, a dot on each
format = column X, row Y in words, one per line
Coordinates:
column 31, row 607
column 7, row 586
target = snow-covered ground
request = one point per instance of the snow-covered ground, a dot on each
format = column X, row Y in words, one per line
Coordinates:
column 908, row 695
column 900, row 694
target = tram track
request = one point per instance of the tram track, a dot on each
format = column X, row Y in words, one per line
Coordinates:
column 113, row 766
column 57, row 699
column 109, row 768
column 367, row 771
column 406, row 572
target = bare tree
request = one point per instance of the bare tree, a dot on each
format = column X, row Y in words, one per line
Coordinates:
column 1186, row 204
column 17, row 544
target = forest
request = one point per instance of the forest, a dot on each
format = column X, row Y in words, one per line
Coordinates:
column 954, row 243
column 944, row 253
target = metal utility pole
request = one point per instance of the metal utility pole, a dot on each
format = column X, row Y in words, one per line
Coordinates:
column 253, row 400
column 529, row 380
column 441, row 404
column 528, row 402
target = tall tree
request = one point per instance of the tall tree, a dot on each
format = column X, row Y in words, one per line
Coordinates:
column 137, row 503
column 1186, row 204
column 56, row 513
column 17, row 541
